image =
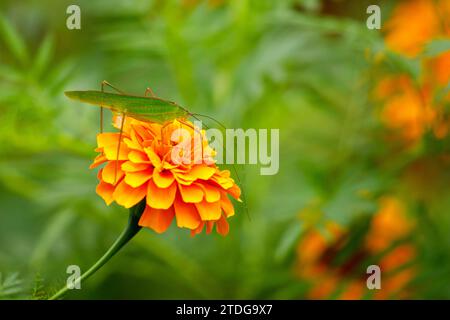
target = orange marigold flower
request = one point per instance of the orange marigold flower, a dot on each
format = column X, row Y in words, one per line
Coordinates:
column 414, row 108
column 407, row 109
column 415, row 22
column 194, row 192
column 335, row 265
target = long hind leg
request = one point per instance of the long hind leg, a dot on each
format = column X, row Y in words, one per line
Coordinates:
column 103, row 84
column 116, row 168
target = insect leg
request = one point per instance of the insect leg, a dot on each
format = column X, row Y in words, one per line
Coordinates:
column 116, row 168
column 149, row 90
column 162, row 130
column 103, row 84
column 106, row 83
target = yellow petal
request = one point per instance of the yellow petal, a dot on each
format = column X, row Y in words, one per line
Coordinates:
column 156, row 219
column 105, row 190
column 111, row 152
column 182, row 177
column 202, row 172
column 138, row 157
column 109, row 143
column 107, row 139
column 209, row 210
column 212, row 193
column 112, row 172
column 98, row 161
column 154, row 158
column 191, row 194
column 136, row 179
column 163, row 179
column 226, row 205
column 223, row 181
column 128, row 196
column 160, row 198
column 235, row 192
column 186, row 214
column 198, row 229
column 143, row 132
column 129, row 166
column 132, row 144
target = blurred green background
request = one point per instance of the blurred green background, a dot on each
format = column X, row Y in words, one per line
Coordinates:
column 307, row 67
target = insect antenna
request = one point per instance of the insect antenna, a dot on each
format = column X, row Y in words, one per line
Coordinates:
column 195, row 115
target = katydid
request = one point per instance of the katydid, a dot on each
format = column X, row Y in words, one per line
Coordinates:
column 150, row 109
column 143, row 108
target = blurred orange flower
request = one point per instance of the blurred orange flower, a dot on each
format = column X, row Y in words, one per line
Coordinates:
column 407, row 108
column 415, row 22
column 410, row 106
column 331, row 274
column 193, row 192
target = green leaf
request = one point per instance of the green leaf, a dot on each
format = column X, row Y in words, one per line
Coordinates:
column 55, row 229
column 402, row 64
column 10, row 286
column 43, row 56
column 13, row 41
column 288, row 241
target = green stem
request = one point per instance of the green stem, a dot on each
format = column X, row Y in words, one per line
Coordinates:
column 130, row 231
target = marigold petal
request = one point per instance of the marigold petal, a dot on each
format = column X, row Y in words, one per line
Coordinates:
column 191, row 194
column 212, row 193
column 101, row 158
column 163, row 179
column 107, row 139
column 129, row 166
column 235, row 192
column 138, row 157
column 136, row 179
column 132, row 144
column 198, row 229
column 109, row 143
column 157, row 219
column 223, row 180
column 209, row 210
column 160, row 198
column 105, row 191
column 112, row 172
column 226, row 205
column 153, row 157
column 183, row 178
column 145, row 132
column 202, row 172
column 128, row 196
column 222, row 226
column 186, row 214
column 209, row 226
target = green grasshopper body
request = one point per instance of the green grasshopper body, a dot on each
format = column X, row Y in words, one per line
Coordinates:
column 150, row 109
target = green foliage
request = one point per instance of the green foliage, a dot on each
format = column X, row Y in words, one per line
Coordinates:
column 10, row 286
column 250, row 64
